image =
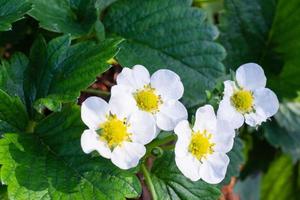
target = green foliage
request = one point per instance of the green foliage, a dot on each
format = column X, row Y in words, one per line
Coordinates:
column 264, row 32
column 282, row 181
column 285, row 133
column 170, row 184
column 58, row 70
column 50, row 164
column 169, row 34
column 77, row 17
column 11, row 11
column 12, row 75
column 40, row 154
column 3, row 193
column 13, row 116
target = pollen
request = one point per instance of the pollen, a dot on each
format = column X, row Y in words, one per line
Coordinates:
column 242, row 100
column 147, row 99
column 114, row 131
column 201, row 145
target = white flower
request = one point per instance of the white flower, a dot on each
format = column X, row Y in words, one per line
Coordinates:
column 157, row 95
column 247, row 99
column 200, row 152
column 114, row 133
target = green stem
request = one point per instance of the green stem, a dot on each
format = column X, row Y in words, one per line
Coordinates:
column 30, row 127
column 168, row 147
column 158, row 142
column 149, row 182
column 96, row 92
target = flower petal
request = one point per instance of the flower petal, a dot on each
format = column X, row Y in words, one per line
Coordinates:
column 205, row 119
column 121, row 89
column 136, row 77
column 214, row 168
column 227, row 112
column 255, row 119
column 229, row 87
column 90, row 142
column 183, row 129
column 94, row 111
column 266, row 100
column 189, row 166
column 184, row 132
column 128, row 155
column 142, row 127
column 223, row 137
column 168, row 84
column 251, row 76
column 170, row 113
column 122, row 105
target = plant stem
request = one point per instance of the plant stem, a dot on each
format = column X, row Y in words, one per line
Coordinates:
column 96, row 92
column 164, row 140
column 30, row 127
column 149, row 182
column 158, row 142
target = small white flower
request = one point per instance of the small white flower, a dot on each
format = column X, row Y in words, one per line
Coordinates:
column 247, row 99
column 157, row 95
column 200, row 152
column 114, row 133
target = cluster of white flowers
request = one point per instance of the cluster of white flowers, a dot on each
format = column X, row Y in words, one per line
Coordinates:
column 142, row 105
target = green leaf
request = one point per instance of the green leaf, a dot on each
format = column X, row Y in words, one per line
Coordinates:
column 236, row 160
column 169, row 34
column 11, row 75
column 50, row 164
column 58, row 70
column 11, row 11
column 282, row 181
column 285, row 132
column 267, row 33
column 13, row 115
column 249, row 188
column 76, row 17
column 3, row 192
column 170, row 184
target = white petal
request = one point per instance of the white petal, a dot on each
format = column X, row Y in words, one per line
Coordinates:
column 128, row 155
column 184, row 132
column 122, row 105
column 255, row 119
column 228, row 113
column 229, row 87
column 121, row 89
column 189, row 166
column 170, row 113
column 181, row 148
column 213, row 169
column 136, row 77
column 94, row 111
column 168, row 84
column 205, row 119
column 266, row 100
column 223, row 137
column 142, row 127
column 251, row 76
column 90, row 142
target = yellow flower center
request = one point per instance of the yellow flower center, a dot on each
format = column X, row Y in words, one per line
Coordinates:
column 114, row 131
column 147, row 100
column 200, row 145
column 242, row 100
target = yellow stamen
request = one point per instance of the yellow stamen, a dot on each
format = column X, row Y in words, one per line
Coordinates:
column 200, row 145
column 114, row 131
column 147, row 100
column 242, row 100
